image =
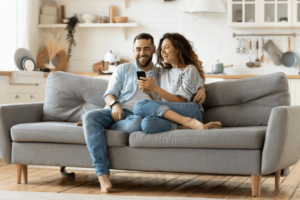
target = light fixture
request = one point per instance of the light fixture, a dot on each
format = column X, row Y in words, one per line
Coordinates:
column 215, row 6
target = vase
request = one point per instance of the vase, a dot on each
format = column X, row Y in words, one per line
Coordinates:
column 50, row 65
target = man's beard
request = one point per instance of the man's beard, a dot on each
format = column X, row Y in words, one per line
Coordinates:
column 146, row 63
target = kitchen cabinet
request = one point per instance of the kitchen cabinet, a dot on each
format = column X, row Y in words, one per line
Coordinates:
column 21, row 93
column 276, row 13
column 243, row 13
column 263, row 13
column 295, row 91
column 296, row 13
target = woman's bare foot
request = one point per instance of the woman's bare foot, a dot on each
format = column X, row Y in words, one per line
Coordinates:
column 105, row 184
column 193, row 124
column 212, row 125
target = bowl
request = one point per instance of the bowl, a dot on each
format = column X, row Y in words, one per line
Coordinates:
column 120, row 19
column 88, row 18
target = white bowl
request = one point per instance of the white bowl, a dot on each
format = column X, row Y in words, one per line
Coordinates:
column 88, row 18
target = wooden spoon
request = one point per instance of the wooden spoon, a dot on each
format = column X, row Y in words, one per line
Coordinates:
column 263, row 55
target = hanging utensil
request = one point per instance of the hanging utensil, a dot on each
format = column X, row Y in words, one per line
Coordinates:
column 250, row 63
column 289, row 59
column 262, row 59
column 273, row 51
column 257, row 61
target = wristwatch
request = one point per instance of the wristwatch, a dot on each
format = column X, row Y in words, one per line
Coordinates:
column 113, row 103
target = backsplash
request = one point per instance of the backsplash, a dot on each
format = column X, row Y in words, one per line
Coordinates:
column 209, row 32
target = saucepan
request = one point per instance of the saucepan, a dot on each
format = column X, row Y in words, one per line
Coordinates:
column 218, row 67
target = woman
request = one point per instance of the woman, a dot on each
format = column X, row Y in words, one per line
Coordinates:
column 180, row 77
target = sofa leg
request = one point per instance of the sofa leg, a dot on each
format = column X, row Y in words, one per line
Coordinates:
column 64, row 172
column 19, row 173
column 277, row 178
column 25, row 173
column 256, row 185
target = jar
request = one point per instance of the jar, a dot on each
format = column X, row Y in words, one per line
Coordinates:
column 103, row 19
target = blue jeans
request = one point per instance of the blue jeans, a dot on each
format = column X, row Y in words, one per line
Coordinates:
column 94, row 124
column 151, row 111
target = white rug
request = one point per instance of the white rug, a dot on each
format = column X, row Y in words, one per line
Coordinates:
column 5, row 195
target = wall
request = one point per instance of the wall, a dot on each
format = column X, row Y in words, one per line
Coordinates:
column 211, row 36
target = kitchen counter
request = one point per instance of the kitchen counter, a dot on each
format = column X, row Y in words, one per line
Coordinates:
column 90, row 74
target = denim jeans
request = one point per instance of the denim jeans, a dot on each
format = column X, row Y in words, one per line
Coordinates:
column 94, row 124
column 151, row 111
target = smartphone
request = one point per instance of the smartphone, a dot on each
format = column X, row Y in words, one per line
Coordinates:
column 141, row 74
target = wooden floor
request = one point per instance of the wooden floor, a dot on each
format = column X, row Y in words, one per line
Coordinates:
column 153, row 184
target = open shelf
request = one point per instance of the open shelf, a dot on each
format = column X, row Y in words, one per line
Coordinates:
column 122, row 26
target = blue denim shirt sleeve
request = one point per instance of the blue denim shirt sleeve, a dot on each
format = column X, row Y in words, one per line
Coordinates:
column 115, row 84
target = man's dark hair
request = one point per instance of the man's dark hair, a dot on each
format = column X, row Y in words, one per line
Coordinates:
column 144, row 36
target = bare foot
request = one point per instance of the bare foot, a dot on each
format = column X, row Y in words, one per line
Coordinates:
column 194, row 124
column 211, row 125
column 105, row 184
column 78, row 124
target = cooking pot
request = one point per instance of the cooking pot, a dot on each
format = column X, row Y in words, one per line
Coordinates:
column 218, row 67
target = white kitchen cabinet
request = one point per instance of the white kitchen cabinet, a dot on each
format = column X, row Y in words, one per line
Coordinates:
column 243, row 13
column 272, row 11
column 263, row 13
column 296, row 13
column 21, row 93
column 295, row 91
column 4, row 89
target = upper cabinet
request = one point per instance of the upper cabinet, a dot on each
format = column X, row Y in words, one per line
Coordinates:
column 276, row 13
column 263, row 13
column 243, row 13
column 296, row 13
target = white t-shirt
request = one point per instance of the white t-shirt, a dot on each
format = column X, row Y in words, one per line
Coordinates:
column 138, row 95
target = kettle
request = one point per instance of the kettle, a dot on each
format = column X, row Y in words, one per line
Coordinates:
column 113, row 59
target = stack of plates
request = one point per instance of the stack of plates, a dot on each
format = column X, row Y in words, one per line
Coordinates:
column 24, row 60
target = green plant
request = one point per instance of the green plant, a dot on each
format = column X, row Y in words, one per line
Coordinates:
column 71, row 29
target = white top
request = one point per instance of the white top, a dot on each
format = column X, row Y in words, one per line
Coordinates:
column 182, row 83
column 138, row 95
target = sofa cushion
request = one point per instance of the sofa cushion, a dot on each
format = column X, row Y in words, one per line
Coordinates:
column 225, row 138
column 69, row 96
column 62, row 132
column 246, row 102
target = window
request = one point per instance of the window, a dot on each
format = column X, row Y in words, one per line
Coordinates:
column 8, row 35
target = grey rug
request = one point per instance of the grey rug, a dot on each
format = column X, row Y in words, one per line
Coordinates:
column 58, row 196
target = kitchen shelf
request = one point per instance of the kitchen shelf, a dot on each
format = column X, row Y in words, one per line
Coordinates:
column 122, row 26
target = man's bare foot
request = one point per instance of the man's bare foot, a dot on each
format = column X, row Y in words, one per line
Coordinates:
column 212, row 125
column 105, row 184
column 194, row 124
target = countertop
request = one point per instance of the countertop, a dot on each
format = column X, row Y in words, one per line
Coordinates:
column 90, row 74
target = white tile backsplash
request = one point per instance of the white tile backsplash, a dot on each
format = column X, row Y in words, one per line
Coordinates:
column 209, row 32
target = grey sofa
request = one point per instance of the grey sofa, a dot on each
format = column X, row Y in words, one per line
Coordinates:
column 260, row 133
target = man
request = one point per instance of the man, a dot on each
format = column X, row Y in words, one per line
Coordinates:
column 120, row 97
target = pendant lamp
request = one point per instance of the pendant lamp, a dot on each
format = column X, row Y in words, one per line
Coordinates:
column 215, row 6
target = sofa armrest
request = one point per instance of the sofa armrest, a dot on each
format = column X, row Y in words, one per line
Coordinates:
column 11, row 115
column 282, row 141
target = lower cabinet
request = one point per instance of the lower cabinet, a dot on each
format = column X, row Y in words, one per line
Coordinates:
column 21, row 93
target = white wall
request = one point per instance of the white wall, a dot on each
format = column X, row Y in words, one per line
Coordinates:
column 211, row 36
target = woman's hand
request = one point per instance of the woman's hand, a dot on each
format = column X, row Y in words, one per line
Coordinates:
column 200, row 96
column 143, row 89
column 148, row 84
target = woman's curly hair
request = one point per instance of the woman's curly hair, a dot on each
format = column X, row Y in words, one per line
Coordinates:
column 186, row 54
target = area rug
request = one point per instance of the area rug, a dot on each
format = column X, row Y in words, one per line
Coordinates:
column 59, row 196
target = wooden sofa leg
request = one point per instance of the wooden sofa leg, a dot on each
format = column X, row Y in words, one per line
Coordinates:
column 277, row 178
column 25, row 173
column 19, row 173
column 256, row 185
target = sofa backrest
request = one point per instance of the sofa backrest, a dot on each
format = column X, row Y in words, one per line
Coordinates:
column 246, row 102
column 69, row 96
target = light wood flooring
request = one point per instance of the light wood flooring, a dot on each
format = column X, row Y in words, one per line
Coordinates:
column 153, row 184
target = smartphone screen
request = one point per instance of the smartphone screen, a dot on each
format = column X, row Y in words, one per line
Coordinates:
column 141, row 74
